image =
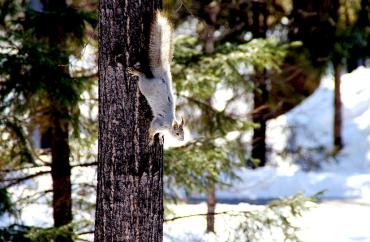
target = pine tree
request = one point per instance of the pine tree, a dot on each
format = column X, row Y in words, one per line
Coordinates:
column 39, row 90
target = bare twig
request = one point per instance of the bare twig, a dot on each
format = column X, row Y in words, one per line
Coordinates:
column 15, row 181
column 231, row 213
column 94, row 163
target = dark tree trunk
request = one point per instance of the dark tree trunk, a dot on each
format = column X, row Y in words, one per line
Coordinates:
column 259, row 116
column 260, row 93
column 60, row 152
column 61, row 175
column 338, row 143
column 130, row 172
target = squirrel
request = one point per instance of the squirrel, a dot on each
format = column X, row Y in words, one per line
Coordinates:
column 158, row 89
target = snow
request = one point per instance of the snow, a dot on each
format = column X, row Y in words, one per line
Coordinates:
column 345, row 176
column 339, row 221
column 341, row 216
column 345, row 179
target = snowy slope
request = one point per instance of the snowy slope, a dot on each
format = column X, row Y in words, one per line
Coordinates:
column 346, row 176
column 346, row 179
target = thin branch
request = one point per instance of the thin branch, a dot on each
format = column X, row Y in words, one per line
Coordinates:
column 15, row 181
column 34, row 197
column 231, row 213
column 94, row 163
column 22, row 168
column 86, row 232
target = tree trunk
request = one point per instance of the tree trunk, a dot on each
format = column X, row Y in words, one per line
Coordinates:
column 61, row 176
column 260, row 112
column 260, row 93
column 60, row 152
column 130, row 172
column 211, row 208
column 212, row 9
column 338, row 143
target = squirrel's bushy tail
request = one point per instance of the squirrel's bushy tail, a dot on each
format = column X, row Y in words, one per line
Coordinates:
column 160, row 45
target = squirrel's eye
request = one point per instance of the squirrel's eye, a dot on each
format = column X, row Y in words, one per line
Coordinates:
column 177, row 133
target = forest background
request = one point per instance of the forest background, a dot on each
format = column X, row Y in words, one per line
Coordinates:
column 237, row 65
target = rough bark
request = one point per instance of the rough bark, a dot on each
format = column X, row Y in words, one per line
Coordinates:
column 130, row 172
column 337, row 128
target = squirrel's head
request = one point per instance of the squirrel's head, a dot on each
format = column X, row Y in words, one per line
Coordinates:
column 178, row 130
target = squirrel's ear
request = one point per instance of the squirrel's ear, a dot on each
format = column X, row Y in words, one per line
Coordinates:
column 175, row 125
column 182, row 121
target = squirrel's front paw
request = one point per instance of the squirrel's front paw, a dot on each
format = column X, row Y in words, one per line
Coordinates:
column 161, row 139
column 133, row 71
column 151, row 136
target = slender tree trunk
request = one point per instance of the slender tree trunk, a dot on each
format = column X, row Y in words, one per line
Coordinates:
column 260, row 96
column 60, row 152
column 61, row 176
column 212, row 9
column 260, row 93
column 211, row 208
column 61, row 173
column 338, row 142
column 130, row 172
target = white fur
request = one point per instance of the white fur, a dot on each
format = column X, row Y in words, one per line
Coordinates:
column 158, row 90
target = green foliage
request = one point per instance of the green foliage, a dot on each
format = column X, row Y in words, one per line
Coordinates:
column 197, row 76
column 6, row 205
column 14, row 232
column 277, row 216
column 36, row 84
column 50, row 234
column 196, row 165
column 54, row 234
column 200, row 73
column 36, row 81
column 14, row 141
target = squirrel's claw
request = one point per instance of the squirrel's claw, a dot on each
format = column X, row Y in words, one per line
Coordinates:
column 161, row 139
column 151, row 136
column 133, row 71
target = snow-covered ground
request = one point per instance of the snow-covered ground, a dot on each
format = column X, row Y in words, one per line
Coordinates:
column 329, row 221
column 343, row 213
